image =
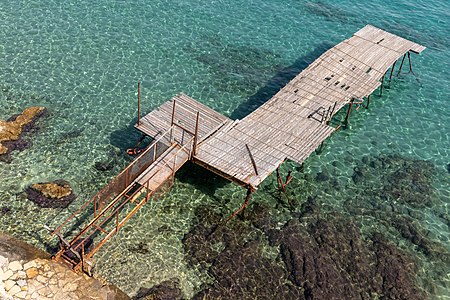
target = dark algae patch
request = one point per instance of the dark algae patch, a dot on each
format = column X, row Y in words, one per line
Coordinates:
column 319, row 257
column 307, row 248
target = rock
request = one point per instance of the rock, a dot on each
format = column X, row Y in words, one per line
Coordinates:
column 393, row 178
column 56, row 194
column 21, row 282
column 7, row 275
column 21, row 295
column 412, row 232
column 238, row 266
column 11, row 131
column 324, row 253
column 167, row 290
column 15, row 266
column 5, row 210
column 29, row 265
column 4, row 262
column 9, row 284
column 103, row 166
column 322, row 176
column 14, row 290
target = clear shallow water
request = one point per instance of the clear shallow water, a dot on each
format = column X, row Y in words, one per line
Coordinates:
column 82, row 60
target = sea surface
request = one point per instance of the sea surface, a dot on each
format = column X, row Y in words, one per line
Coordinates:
column 82, row 60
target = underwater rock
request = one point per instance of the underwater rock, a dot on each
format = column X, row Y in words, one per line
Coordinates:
column 140, row 248
column 397, row 269
column 104, row 166
column 56, row 194
column 324, row 257
column 394, row 178
column 166, row 290
column 322, row 176
column 5, row 210
column 233, row 255
column 242, row 273
column 12, row 130
column 327, row 253
column 410, row 231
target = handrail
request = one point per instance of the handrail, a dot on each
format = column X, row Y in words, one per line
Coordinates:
column 151, row 146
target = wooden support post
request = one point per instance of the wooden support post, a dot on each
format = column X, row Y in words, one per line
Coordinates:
column 173, row 112
column 172, row 120
column 243, row 206
column 279, row 180
column 139, row 103
column 252, row 159
column 194, row 146
column 410, row 64
column 382, row 83
column 331, row 113
column 117, row 221
column 392, row 71
column 368, row 101
column 349, row 111
column 401, row 65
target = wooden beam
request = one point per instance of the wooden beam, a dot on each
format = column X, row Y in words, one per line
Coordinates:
column 194, row 146
column 252, row 159
column 139, row 103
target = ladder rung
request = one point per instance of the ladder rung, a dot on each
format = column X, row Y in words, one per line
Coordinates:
column 100, row 229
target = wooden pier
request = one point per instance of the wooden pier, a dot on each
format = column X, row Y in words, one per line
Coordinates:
column 289, row 126
column 295, row 121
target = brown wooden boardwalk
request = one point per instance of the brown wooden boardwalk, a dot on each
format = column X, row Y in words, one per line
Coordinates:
column 291, row 125
column 294, row 122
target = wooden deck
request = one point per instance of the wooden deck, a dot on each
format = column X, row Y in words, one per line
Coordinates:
column 294, row 122
column 163, row 168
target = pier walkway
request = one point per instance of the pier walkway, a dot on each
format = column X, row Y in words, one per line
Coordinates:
column 295, row 121
column 289, row 126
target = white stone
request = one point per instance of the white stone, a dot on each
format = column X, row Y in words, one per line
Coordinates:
column 30, row 264
column 7, row 274
column 22, row 275
column 4, row 262
column 14, row 290
column 9, row 284
column 21, row 282
column 21, row 295
column 15, row 266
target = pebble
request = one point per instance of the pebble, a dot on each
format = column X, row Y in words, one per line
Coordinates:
column 15, row 266
column 4, row 262
column 7, row 274
column 30, row 264
column 14, row 290
column 32, row 272
column 9, row 284
column 21, row 282
column 21, row 295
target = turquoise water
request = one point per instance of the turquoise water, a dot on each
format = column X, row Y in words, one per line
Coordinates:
column 82, row 60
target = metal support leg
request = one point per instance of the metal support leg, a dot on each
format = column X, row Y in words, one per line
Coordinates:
column 382, row 83
column 401, row 65
column 349, row 111
column 392, row 71
column 244, row 205
column 410, row 64
column 368, row 101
